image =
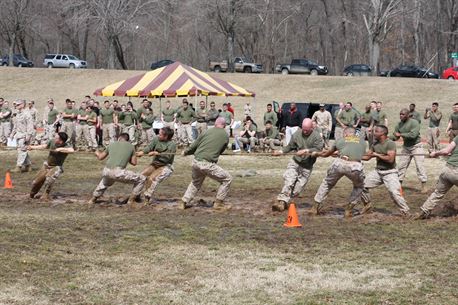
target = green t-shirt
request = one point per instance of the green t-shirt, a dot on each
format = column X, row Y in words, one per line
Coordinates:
column 52, row 116
column 384, row 148
column 55, row 158
column 82, row 113
column 251, row 128
column 107, row 115
column 201, row 115
column 410, row 132
column 168, row 115
column 119, row 154
column 185, row 116
column 272, row 133
column 366, row 119
column 128, row 117
column 212, row 115
column 351, row 146
column 379, row 117
column 148, row 117
column 415, row 115
column 161, row 147
column 8, row 117
column 92, row 115
column 454, row 118
column 312, row 142
column 227, row 116
column 270, row 116
column 209, row 145
column 68, row 111
column 435, row 118
column 348, row 118
column 453, row 160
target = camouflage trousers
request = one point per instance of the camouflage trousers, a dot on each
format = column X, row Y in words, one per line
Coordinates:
column 5, row 131
column 452, row 134
column 185, row 134
column 447, row 179
column 130, row 130
column 202, row 169
column 155, row 175
column 108, row 133
column 271, row 143
column 23, row 158
column 366, row 135
column 201, row 128
column 338, row 133
column 339, row 168
column 433, row 138
column 404, row 162
column 46, row 176
column 147, row 136
column 69, row 129
column 239, row 141
column 390, row 178
column 112, row 175
column 325, row 135
column 50, row 131
column 295, row 177
column 88, row 132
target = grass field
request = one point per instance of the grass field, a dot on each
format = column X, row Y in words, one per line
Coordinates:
column 62, row 252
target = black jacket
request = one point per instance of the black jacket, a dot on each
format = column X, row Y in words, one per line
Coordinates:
column 291, row 120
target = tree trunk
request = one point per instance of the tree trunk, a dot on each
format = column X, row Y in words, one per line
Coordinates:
column 111, row 53
column 374, row 54
column 11, row 49
column 119, row 52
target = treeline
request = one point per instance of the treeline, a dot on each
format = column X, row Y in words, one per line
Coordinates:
column 130, row 34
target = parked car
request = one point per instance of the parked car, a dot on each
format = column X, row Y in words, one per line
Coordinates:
column 450, row 73
column 302, row 66
column 357, row 70
column 412, row 71
column 240, row 65
column 161, row 63
column 18, row 61
column 63, row 61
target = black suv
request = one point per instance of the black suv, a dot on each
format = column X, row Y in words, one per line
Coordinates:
column 18, row 61
column 161, row 63
column 412, row 71
column 302, row 66
column 357, row 70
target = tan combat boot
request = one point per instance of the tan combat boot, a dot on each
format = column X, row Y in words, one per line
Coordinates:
column 93, row 200
column 279, row 206
column 421, row 215
column 349, row 210
column 46, row 197
column 424, row 188
column 17, row 169
column 219, row 205
column 131, row 203
column 315, row 210
column 182, row 205
column 367, row 208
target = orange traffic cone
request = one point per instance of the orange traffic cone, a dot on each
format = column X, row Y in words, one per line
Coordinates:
column 8, row 182
column 292, row 221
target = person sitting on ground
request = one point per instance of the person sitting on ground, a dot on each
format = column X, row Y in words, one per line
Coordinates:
column 119, row 154
column 163, row 149
column 271, row 137
column 53, row 167
column 247, row 136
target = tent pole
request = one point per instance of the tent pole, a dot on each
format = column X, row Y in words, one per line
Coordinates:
column 206, row 101
column 160, row 106
column 254, row 107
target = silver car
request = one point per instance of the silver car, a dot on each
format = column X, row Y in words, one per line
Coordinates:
column 63, row 61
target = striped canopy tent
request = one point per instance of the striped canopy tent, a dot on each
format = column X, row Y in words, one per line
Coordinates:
column 173, row 80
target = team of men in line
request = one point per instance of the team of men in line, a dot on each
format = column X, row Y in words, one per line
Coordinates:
column 307, row 142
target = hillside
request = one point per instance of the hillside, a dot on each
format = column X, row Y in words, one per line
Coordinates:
column 41, row 84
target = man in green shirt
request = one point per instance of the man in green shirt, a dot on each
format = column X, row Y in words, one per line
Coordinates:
column 379, row 116
column 414, row 114
column 86, row 127
column 206, row 150
column 409, row 130
column 52, row 168
column 270, row 115
column 5, row 122
column 201, row 117
column 22, row 132
column 351, row 150
column 271, row 137
column 163, row 149
column 168, row 116
column 338, row 131
column 185, row 116
column 69, row 117
column 299, row 170
column 146, row 119
column 247, row 136
column 119, row 154
column 51, row 121
column 108, row 121
column 129, row 118
column 212, row 115
column 447, row 179
column 452, row 126
column 366, row 124
column 228, row 118
column 386, row 173
column 434, row 116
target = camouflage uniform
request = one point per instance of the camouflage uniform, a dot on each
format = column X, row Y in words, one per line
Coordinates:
column 5, row 125
column 207, row 149
column 433, row 130
column 299, row 169
column 351, row 149
column 22, row 132
column 184, row 118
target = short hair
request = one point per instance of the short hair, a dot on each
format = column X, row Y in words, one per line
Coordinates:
column 50, row 103
column 456, row 104
column 87, row 96
column 225, row 104
column 268, row 122
column 212, row 103
column 63, row 136
column 436, row 104
column 168, row 132
column 383, row 127
column 349, row 103
column 106, row 102
column 185, row 102
column 68, row 100
column 124, row 136
column 269, row 105
column 412, row 105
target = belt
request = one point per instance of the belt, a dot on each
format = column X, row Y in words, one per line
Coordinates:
column 201, row 121
column 346, row 158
